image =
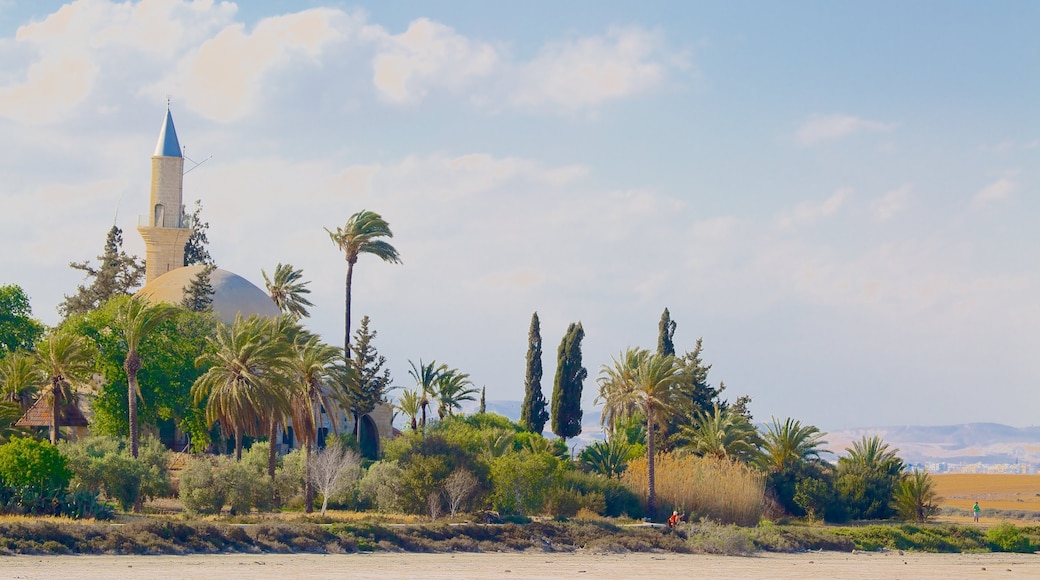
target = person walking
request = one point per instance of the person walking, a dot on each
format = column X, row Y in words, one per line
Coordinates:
column 975, row 510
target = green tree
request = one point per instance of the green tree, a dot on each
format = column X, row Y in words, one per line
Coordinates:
column 694, row 395
column 665, row 332
column 137, row 319
column 244, row 386
column 196, row 250
column 372, row 379
column 791, row 453
column 167, row 373
column 915, row 498
column 609, row 457
column 521, row 482
column 408, row 403
column 117, row 274
column 533, row 413
column 26, row 462
column 566, row 399
column 10, row 413
column 721, row 434
column 288, row 290
column 645, row 383
column 867, row 478
column 66, row 359
column 453, row 387
column 426, row 376
column 361, row 235
column 198, row 296
column 20, row 379
column 312, row 364
column 18, row 329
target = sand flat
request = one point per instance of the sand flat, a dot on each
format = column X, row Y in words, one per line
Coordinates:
column 526, row 565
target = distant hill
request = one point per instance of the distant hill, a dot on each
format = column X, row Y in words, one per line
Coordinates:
column 968, row 443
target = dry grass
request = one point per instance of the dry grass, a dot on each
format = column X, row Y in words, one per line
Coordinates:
column 701, row 487
column 995, row 491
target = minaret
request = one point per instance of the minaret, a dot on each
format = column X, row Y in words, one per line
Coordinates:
column 164, row 229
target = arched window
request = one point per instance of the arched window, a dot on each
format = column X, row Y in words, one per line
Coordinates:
column 159, row 216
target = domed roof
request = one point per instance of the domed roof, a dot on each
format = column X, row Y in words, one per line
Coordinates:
column 232, row 294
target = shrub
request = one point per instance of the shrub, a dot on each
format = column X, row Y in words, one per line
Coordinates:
column 104, row 463
column 521, row 481
column 381, row 486
column 1006, row 537
column 702, row 487
column 200, row 490
column 26, row 462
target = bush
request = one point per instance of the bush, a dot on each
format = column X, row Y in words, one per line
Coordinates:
column 26, row 462
column 701, row 487
column 200, row 490
column 521, row 481
column 1006, row 537
column 104, row 463
column 381, row 486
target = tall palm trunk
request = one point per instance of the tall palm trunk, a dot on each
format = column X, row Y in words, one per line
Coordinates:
column 308, row 488
column 346, row 317
column 55, row 409
column 651, row 501
column 132, row 365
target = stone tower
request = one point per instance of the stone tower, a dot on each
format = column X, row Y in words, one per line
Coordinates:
column 165, row 228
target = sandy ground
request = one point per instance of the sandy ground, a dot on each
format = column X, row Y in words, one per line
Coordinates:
column 527, row 565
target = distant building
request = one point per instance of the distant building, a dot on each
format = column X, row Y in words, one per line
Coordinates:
column 166, row 229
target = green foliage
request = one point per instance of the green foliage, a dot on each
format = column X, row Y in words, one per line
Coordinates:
column 26, row 462
column 199, row 489
column 533, row 413
column 18, row 329
column 104, row 464
column 209, row 483
column 195, row 250
column 915, row 497
column 288, row 291
column 867, row 478
column 570, row 374
column 20, row 379
column 167, row 372
column 117, row 274
column 198, row 295
column 814, row 496
column 381, row 486
column 373, row 380
column 665, row 333
column 521, row 482
column 1006, row 537
column 693, row 393
column 609, row 458
column 722, row 434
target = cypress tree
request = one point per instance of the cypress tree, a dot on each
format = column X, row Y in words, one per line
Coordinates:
column 566, row 401
column 665, row 332
column 195, row 250
column 198, row 296
column 533, row 414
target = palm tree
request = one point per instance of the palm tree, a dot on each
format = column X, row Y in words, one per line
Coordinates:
column 20, row 379
column 409, row 403
column 915, row 497
column 312, row 363
column 721, row 434
column 873, row 455
column 608, row 457
column 426, row 377
column 288, row 291
column 136, row 318
column 360, row 235
column 788, row 444
column 453, row 387
column 67, row 360
column 243, row 387
column 647, row 388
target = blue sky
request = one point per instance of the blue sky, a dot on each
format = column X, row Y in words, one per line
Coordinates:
column 840, row 198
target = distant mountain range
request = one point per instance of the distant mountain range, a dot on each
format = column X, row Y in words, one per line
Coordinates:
column 969, row 443
column 988, row 443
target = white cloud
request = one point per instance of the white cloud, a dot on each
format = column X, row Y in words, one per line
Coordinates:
column 429, row 55
column 821, row 128
column 807, row 213
column 891, row 202
column 997, row 191
column 223, row 79
column 590, row 71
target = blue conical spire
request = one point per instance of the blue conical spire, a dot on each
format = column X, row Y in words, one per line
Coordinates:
column 168, row 146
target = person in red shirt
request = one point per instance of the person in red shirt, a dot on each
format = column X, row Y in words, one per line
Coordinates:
column 674, row 520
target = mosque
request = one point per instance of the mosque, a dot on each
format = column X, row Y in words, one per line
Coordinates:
column 165, row 229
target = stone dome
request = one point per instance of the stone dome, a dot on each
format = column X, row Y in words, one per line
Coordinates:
column 232, row 294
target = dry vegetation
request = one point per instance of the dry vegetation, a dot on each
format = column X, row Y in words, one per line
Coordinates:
column 995, row 492
column 702, row 487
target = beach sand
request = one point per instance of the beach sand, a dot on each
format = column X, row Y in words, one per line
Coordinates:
column 526, row 565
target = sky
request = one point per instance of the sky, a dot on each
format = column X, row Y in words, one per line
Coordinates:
column 840, row 198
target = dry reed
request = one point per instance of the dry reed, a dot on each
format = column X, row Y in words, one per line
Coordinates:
column 701, row 487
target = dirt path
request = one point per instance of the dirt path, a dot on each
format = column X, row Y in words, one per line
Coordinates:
column 513, row 566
